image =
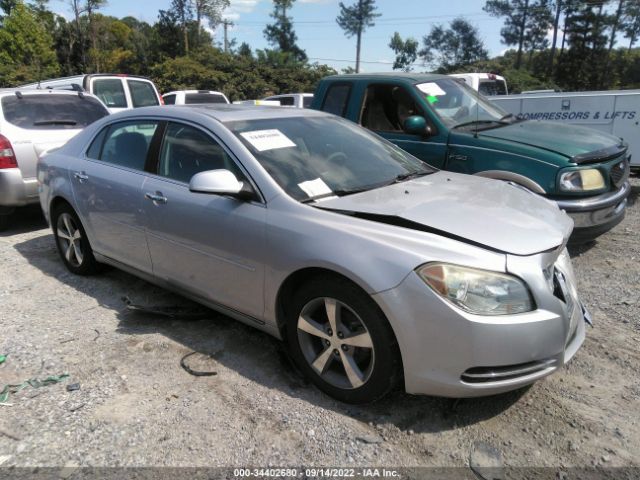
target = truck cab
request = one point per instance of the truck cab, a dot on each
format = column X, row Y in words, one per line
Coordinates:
column 447, row 124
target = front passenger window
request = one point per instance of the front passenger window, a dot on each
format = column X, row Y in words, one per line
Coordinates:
column 127, row 143
column 187, row 151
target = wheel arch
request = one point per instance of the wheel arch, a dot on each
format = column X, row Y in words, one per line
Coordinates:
column 512, row 177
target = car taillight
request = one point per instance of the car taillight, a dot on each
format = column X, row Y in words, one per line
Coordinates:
column 7, row 157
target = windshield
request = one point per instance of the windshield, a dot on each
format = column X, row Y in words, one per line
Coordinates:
column 315, row 157
column 457, row 104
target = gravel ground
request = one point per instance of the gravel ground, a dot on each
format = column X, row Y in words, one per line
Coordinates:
column 138, row 407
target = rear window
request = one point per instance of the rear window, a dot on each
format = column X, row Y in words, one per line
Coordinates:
column 169, row 99
column 492, row 87
column 336, row 100
column 192, row 98
column 142, row 94
column 306, row 102
column 52, row 112
column 110, row 91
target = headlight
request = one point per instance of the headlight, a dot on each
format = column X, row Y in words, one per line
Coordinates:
column 478, row 291
column 582, row 180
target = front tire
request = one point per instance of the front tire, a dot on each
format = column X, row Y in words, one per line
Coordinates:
column 342, row 342
column 72, row 242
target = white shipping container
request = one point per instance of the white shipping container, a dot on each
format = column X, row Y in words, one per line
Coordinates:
column 616, row 112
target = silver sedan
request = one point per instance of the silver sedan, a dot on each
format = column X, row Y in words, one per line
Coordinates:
column 374, row 268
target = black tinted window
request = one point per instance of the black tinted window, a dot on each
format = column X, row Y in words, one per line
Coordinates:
column 286, row 101
column 187, row 151
column 52, row 112
column 127, row 143
column 169, row 99
column 110, row 91
column 193, row 98
column 307, row 101
column 96, row 145
column 336, row 100
column 492, row 87
column 142, row 94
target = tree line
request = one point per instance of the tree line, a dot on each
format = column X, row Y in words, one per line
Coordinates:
column 562, row 44
column 567, row 44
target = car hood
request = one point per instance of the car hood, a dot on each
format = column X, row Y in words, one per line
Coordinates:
column 580, row 144
column 487, row 213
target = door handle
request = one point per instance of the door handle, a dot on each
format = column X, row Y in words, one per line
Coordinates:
column 81, row 176
column 155, row 197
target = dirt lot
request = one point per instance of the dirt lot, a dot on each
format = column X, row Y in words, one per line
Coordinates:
column 138, row 407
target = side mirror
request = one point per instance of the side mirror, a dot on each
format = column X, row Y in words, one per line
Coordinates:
column 416, row 125
column 220, row 182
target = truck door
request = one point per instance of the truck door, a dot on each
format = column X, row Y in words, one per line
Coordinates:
column 385, row 107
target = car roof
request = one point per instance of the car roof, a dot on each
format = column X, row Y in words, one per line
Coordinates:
column 411, row 77
column 290, row 95
column 43, row 91
column 225, row 112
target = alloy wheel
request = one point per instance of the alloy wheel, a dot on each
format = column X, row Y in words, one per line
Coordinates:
column 70, row 238
column 336, row 343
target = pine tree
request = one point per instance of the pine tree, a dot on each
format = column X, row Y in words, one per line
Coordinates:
column 280, row 33
column 354, row 20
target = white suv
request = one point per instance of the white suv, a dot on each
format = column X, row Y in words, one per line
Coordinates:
column 32, row 122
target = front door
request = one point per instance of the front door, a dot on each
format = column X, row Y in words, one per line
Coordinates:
column 208, row 244
column 384, row 110
column 107, row 185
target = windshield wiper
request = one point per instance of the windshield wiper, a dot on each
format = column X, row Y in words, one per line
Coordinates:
column 506, row 117
column 475, row 122
column 337, row 193
column 54, row 122
column 410, row 176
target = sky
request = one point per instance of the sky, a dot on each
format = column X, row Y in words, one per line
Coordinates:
column 318, row 33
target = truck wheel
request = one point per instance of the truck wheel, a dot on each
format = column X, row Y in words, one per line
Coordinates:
column 72, row 242
column 342, row 342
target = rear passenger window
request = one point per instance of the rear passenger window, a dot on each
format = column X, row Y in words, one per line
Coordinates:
column 336, row 99
column 195, row 98
column 127, row 143
column 187, row 151
column 169, row 99
column 142, row 94
column 110, row 91
column 96, row 146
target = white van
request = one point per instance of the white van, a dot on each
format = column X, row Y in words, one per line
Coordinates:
column 117, row 91
column 488, row 84
column 611, row 111
column 297, row 100
column 190, row 97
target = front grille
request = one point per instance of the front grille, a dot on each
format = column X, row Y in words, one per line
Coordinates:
column 619, row 173
column 509, row 372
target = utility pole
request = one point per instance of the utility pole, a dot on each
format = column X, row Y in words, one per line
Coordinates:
column 226, row 24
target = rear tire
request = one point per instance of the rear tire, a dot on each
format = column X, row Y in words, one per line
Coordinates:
column 342, row 342
column 72, row 242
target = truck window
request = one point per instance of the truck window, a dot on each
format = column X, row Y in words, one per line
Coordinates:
column 336, row 99
column 286, row 101
column 193, row 98
column 110, row 91
column 386, row 107
column 489, row 88
column 52, row 112
column 169, row 99
column 306, row 102
column 142, row 93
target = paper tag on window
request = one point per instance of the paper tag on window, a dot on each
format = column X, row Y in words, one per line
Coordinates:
column 431, row 88
column 314, row 188
column 263, row 140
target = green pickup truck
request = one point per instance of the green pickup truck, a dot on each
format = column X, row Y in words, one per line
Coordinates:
column 448, row 125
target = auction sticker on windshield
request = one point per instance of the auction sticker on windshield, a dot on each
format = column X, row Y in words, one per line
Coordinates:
column 431, row 88
column 263, row 140
column 314, row 188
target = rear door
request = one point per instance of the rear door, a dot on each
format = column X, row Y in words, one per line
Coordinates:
column 107, row 186
column 142, row 93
